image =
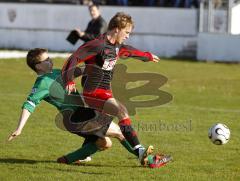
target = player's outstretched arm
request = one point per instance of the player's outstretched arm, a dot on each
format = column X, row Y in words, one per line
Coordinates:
column 21, row 123
column 129, row 51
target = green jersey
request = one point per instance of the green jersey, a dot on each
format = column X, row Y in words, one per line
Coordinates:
column 49, row 87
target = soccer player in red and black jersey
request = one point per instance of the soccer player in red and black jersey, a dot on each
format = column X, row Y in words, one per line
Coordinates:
column 100, row 56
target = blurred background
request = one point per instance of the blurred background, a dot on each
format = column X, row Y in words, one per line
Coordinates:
column 193, row 29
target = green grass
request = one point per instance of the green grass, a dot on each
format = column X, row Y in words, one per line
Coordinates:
column 203, row 94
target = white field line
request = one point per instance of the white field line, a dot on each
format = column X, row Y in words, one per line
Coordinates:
column 5, row 54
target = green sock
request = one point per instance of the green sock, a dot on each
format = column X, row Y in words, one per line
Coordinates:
column 128, row 146
column 82, row 153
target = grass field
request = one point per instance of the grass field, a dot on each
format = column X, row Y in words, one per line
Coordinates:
column 204, row 93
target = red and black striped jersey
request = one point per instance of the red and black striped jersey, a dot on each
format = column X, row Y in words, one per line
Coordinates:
column 100, row 57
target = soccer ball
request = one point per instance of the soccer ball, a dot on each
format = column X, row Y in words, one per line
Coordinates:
column 219, row 134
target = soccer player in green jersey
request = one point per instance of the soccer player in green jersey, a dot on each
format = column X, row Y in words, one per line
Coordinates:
column 48, row 87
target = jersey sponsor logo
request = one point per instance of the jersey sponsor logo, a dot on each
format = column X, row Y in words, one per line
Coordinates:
column 109, row 63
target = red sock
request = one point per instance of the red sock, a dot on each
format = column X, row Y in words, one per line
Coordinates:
column 128, row 132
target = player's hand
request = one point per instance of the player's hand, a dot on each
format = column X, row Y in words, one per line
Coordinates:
column 14, row 135
column 71, row 87
column 155, row 58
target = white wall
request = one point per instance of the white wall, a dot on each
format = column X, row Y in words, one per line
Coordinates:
column 218, row 47
column 163, row 31
column 235, row 29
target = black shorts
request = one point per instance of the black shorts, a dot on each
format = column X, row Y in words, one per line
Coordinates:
column 86, row 122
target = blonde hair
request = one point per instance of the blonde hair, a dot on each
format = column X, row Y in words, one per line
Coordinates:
column 120, row 21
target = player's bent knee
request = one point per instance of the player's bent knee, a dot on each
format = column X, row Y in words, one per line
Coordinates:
column 104, row 143
column 118, row 135
column 108, row 143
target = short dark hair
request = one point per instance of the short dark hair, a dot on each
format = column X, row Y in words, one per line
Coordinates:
column 34, row 56
column 120, row 21
column 93, row 5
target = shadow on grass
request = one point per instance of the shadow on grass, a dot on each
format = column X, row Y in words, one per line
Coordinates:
column 67, row 168
column 63, row 169
column 28, row 161
column 110, row 166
